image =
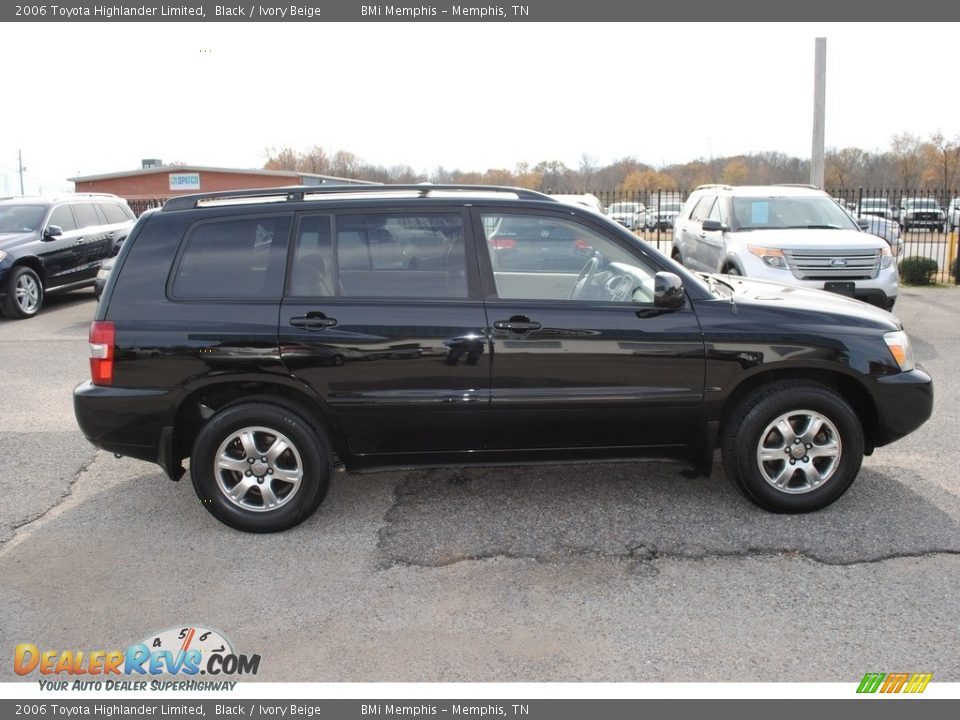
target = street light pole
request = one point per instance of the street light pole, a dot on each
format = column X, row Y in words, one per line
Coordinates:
column 20, row 162
column 819, row 104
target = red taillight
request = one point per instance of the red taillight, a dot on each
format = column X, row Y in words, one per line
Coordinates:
column 103, row 337
column 503, row 243
column 583, row 245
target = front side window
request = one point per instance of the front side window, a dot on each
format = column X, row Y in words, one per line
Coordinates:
column 702, row 208
column 537, row 257
column 403, row 255
column 233, row 259
column 62, row 217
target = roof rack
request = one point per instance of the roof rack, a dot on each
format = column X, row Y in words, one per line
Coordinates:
column 797, row 185
column 298, row 193
column 723, row 186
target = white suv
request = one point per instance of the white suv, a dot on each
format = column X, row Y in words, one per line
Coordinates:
column 952, row 220
column 796, row 235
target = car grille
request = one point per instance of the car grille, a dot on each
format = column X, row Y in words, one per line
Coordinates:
column 924, row 216
column 838, row 263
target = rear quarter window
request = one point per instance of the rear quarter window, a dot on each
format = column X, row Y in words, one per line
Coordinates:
column 235, row 259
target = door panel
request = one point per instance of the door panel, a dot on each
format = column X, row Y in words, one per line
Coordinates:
column 402, row 370
column 590, row 364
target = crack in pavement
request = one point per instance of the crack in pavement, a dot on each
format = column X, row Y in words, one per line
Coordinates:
column 630, row 511
column 22, row 528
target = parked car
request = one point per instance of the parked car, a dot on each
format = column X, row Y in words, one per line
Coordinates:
column 663, row 217
column 587, row 200
column 791, row 234
column 952, row 216
column 921, row 213
column 632, row 215
column 229, row 332
column 55, row 244
column 889, row 230
column 878, row 206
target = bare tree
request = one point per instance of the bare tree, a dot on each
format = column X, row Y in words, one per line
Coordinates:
column 908, row 156
column 943, row 159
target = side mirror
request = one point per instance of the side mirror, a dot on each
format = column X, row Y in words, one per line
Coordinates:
column 863, row 223
column 668, row 291
column 52, row 231
column 712, row 226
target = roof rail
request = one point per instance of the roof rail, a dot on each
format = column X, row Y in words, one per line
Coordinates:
column 797, row 185
column 714, row 185
column 302, row 192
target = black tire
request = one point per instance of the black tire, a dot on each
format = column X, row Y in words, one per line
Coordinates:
column 732, row 270
column 29, row 301
column 751, row 430
column 676, row 256
column 264, row 424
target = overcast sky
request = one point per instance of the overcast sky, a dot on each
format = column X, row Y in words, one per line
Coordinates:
column 89, row 98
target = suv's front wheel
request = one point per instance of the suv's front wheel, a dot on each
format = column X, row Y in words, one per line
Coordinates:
column 24, row 293
column 793, row 447
column 260, row 468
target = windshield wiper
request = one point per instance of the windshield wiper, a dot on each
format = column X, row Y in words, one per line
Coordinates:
column 810, row 227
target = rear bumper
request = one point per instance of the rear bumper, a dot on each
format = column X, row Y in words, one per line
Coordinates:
column 135, row 422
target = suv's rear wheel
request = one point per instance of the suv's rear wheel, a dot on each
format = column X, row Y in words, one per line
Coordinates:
column 793, row 447
column 24, row 294
column 260, row 468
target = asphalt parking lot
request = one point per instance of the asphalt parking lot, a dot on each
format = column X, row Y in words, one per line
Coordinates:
column 606, row 572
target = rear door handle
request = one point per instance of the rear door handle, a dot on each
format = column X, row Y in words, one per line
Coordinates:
column 517, row 325
column 313, row 321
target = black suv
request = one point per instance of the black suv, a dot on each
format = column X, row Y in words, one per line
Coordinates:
column 269, row 335
column 56, row 244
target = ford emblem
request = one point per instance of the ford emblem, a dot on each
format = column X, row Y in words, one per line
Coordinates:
column 838, row 262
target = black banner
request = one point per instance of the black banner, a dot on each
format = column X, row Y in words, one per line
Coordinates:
column 469, row 11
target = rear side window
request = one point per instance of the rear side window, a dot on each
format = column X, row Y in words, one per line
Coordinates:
column 86, row 215
column 401, row 255
column 237, row 259
column 114, row 213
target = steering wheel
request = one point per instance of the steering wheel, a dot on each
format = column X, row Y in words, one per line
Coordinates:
column 587, row 272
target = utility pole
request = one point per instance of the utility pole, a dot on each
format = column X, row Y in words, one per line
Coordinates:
column 22, row 168
column 819, row 105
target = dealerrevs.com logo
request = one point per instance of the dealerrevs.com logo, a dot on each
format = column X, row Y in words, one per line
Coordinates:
column 181, row 651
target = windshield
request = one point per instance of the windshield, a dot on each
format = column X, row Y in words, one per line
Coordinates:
column 671, row 207
column 874, row 203
column 926, row 203
column 623, row 208
column 781, row 213
column 21, row 218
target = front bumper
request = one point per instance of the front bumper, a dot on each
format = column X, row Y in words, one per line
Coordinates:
column 904, row 402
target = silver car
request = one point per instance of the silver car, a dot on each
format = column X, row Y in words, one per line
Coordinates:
column 788, row 234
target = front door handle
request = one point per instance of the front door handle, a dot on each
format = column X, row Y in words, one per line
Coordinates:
column 313, row 321
column 516, row 325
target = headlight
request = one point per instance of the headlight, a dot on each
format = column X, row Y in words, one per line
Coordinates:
column 770, row 256
column 886, row 257
column 2, row 255
column 899, row 346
